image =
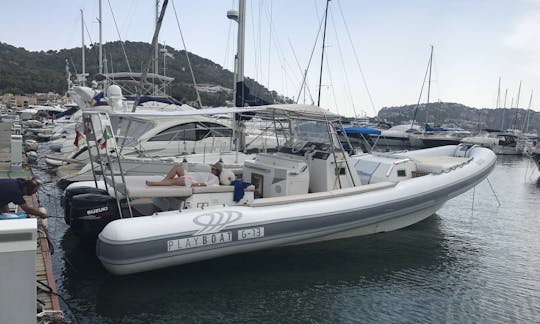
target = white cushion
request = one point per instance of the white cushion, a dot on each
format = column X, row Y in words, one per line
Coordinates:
column 226, row 177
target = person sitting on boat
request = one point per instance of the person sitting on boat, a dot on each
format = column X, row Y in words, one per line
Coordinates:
column 14, row 190
column 177, row 176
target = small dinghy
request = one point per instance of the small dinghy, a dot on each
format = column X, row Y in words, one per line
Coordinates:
column 311, row 190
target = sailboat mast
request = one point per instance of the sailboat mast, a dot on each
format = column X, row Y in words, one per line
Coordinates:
column 156, row 45
column 514, row 124
column 100, row 41
column 83, row 59
column 504, row 106
column 239, row 86
column 322, row 53
column 498, row 94
column 429, row 82
column 429, row 79
column 529, row 112
column 426, row 74
column 154, row 42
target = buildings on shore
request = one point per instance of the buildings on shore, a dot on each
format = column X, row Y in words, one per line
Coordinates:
column 11, row 100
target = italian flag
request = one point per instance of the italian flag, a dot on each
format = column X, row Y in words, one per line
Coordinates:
column 104, row 139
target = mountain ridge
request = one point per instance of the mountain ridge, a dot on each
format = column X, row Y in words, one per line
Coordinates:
column 25, row 71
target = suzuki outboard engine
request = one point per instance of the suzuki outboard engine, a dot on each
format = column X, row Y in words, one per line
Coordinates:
column 90, row 213
column 71, row 192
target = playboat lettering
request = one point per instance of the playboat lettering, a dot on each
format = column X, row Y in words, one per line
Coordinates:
column 97, row 210
column 200, row 240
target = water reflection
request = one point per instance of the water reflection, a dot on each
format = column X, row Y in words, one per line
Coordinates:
column 279, row 275
column 472, row 262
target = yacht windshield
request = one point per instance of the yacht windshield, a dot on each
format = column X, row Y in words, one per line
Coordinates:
column 310, row 131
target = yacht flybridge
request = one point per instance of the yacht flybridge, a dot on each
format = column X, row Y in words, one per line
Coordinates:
column 310, row 190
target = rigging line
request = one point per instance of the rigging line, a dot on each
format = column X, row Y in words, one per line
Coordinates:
column 259, row 56
column 494, row 192
column 260, row 66
column 356, row 58
column 322, row 53
column 91, row 41
column 254, row 44
column 187, row 56
column 269, row 49
column 227, row 44
column 119, row 37
column 304, row 79
column 429, row 83
column 332, row 85
column 144, row 73
column 347, row 83
column 421, row 92
column 304, row 73
column 73, row 65
column 285, row 65
column 257, row 39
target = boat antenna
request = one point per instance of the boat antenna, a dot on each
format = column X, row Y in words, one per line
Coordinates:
column 154, row 41
column 322, row 53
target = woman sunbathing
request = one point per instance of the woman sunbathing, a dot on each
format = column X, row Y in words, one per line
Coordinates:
column 177, row 176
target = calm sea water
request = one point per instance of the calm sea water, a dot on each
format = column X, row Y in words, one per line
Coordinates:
column 472, row 262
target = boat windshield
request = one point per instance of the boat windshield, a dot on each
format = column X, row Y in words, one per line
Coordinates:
column 308, row 133
column 128, row 130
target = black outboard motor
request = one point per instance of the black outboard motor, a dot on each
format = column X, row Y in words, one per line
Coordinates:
column 68, row 195
column 90, row 213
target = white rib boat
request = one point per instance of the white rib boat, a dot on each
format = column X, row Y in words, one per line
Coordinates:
column 309, row 191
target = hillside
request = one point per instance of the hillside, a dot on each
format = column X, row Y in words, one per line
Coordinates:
column 447, row 113
column 22, row 71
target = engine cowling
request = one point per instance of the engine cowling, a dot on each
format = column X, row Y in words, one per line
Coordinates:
column 90, row 212
column 68, row 195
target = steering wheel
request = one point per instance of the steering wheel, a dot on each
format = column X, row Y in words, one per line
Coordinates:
column 298, row 146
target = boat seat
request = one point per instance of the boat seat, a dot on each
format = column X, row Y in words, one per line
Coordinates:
column 137, row 188
column 437, row 164
column 216, row 189
column 262, row 202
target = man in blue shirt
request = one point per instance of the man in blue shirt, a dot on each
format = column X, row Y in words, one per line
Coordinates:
column 13, row 190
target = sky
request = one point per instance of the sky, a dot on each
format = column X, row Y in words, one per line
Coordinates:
column 376, row 52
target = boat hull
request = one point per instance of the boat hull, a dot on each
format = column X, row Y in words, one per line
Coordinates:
column 173, row 238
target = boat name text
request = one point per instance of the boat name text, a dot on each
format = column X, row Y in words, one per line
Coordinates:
column 199, row 240
column 97, row 210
